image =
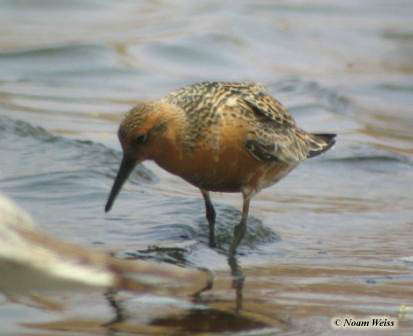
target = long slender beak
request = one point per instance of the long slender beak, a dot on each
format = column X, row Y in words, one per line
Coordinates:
column 126, row 167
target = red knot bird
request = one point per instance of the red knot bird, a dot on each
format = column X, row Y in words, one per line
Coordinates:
column 218, row 136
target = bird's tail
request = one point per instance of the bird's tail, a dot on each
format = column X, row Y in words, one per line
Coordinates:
column 319, row 143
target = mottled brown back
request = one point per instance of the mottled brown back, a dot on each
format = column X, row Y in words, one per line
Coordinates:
column 272, row 131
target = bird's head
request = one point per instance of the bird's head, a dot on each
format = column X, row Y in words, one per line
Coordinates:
column 139, row 135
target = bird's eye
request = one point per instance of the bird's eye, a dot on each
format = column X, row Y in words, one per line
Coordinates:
column 141, row 139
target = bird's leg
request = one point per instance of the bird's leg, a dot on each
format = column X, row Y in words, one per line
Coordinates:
column 238, row 279
column 241, row 228
column 210, row 215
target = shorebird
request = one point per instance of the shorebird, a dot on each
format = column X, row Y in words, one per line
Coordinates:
column 218, row 136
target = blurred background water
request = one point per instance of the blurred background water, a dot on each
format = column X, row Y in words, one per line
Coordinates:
column 333, row 238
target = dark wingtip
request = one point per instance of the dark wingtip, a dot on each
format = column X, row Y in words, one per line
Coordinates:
column 328, row 139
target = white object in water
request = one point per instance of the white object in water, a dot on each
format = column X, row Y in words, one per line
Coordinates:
column 32, row 260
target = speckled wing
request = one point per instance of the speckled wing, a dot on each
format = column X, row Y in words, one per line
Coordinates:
column 274, row 135
column 273, row 132
column 264, row 106
column 200, row 103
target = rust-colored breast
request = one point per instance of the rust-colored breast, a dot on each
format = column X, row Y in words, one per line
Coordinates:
column 220, row 162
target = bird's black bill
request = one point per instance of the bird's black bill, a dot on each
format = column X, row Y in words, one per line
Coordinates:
column 126, row 167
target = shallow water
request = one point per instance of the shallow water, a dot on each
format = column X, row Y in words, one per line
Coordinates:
column 333, row 238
